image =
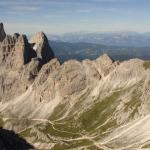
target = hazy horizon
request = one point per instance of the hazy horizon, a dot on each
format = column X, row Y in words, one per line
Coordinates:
column 65, row 16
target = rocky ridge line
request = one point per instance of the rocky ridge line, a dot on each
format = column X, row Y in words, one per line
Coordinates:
column 20, row 61
column 61, row 106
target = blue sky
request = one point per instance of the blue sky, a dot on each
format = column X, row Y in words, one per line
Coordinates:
column 61, row 16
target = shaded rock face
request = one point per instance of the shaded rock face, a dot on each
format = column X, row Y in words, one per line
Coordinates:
column 15, row 52
column 2, row 32
column 11, row 141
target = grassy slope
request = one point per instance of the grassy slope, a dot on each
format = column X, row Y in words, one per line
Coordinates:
column 96, row 120
column 146, row 64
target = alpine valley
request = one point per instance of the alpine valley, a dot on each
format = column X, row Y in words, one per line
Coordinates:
column 96, row 104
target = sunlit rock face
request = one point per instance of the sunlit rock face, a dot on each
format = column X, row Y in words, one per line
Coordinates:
column 42, row 47
column 93, row 104
column 19, row 62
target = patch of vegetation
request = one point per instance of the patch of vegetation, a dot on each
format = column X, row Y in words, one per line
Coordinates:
column 49, row 129
column 20, row 122
column 58, row 111
column 90, row 119
column 1, row 122
column 81, row 99
column 146, row 65
column 100, row 112
column 25, row 133
column 70, row 125
column 93, row 117
column 72, row 144
column 134, row 103
column 94, row 147
column 108, row 126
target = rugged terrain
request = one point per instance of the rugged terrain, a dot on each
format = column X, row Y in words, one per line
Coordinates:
column 100, row 104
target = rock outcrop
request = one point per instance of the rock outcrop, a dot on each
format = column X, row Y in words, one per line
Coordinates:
column 15, row 52
column 2, row 32
column 42, row 47
column 9, row 140
column 20, row 62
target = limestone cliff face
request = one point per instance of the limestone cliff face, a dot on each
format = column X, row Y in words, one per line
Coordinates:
column 93, row 104
column 15, row 52
column 20, row 63
column 42, row 47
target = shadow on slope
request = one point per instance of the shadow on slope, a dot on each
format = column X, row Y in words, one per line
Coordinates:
column 11, row 141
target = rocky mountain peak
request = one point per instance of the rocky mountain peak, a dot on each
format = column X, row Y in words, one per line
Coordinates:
column 2, row 32
column 19, row 57
column 105, row 59
column 17, row 51
column 38, row 38
column 41, row 45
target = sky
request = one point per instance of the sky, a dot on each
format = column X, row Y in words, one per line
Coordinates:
column 64, row 16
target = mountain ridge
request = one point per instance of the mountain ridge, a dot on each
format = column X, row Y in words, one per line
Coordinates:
column 89, row 104
column 129, row 39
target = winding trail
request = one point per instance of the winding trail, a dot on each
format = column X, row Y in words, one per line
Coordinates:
column 41, row 120
column 83, row 137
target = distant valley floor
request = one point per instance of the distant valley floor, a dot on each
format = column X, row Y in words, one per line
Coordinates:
column 80, row 51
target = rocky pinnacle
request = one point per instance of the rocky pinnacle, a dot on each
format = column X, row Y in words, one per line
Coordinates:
column 2, row 32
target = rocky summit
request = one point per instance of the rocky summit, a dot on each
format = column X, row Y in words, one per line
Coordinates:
column 89, row 105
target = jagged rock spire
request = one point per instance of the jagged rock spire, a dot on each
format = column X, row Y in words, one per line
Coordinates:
column 41, row 46
column 2, row 32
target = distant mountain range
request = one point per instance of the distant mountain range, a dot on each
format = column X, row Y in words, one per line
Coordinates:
column 80, row 51
column 108, row 38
